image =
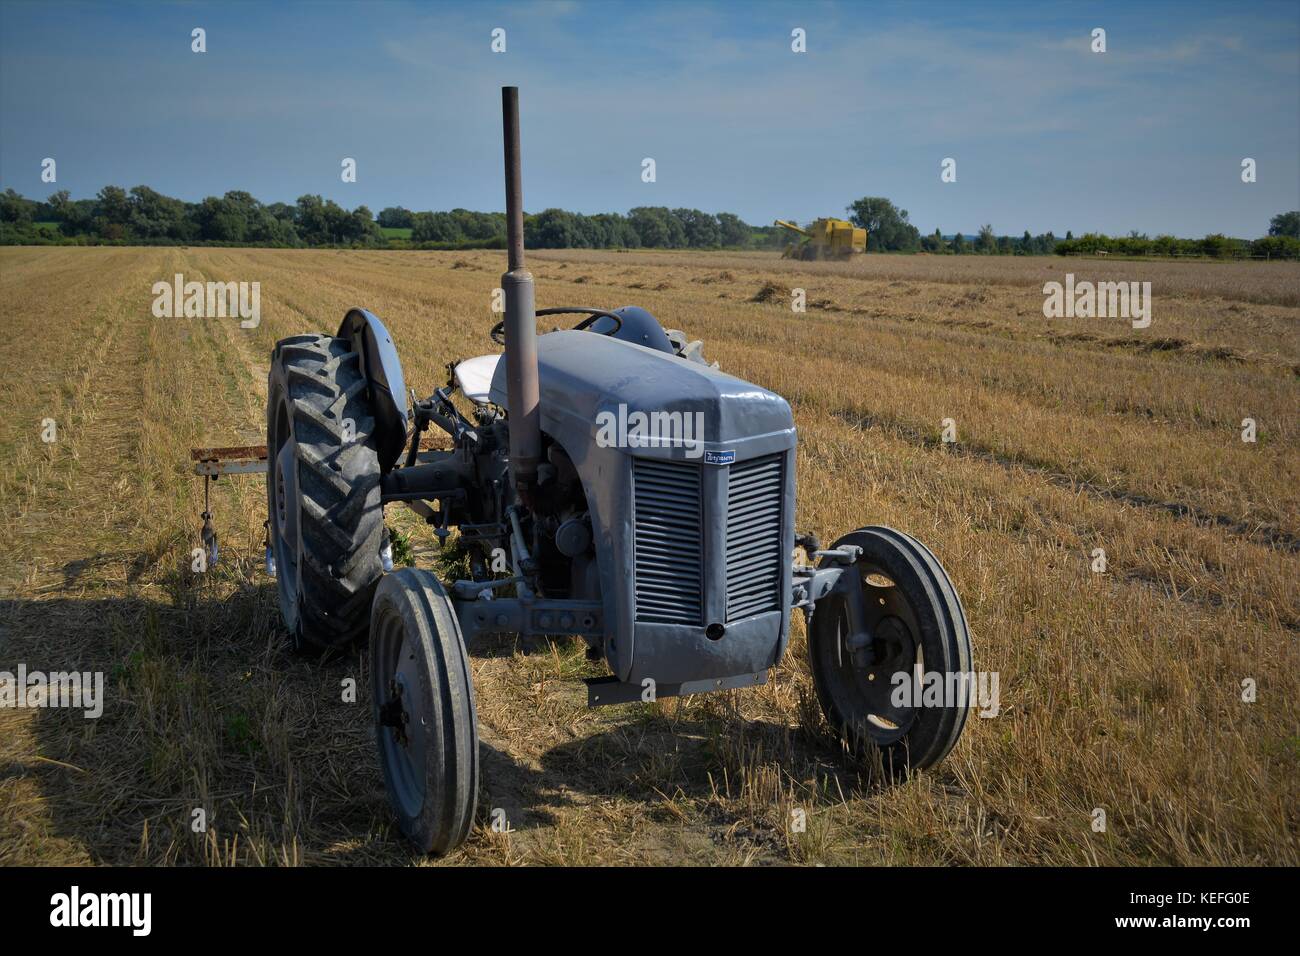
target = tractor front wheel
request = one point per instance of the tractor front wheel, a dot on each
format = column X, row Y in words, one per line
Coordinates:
column 897, row 694
column 423, row 704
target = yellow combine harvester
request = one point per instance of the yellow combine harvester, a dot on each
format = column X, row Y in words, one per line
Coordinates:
column 826, row 239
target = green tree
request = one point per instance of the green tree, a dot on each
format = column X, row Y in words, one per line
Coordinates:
column 221, row 221
column 732, row 230
column 321, row 222
column 360, row 227
column 618, row 232
column 699, row 229
column 1285, row 224
column 112, row 206
column 478, row 226
column 1276, row 247
column 594, row 231
column 155, row 216
column 14, row 208
column 1217, row 245
column 76, row 216
column 553, row 229
column 395, row 217
column 657, row 227
column 887, row 226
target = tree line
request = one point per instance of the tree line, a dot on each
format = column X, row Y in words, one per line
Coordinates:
column 1282, row 242
column 888, row 230
column 145, row 216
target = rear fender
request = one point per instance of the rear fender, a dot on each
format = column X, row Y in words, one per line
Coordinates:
column 383, row 370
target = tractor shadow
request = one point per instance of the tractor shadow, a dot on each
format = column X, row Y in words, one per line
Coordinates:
column 712, row 765
column 650, row 761
column 204, row 707
column 492, row 646
column 133, row 565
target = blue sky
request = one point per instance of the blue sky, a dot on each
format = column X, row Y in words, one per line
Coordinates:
column 1047, row 134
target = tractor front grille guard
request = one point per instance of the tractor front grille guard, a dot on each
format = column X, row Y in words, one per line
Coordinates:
column 668, row 542
column 671, row 551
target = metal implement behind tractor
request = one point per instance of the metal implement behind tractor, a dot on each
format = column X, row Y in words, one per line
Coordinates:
column 825, row 239
column 673, row 559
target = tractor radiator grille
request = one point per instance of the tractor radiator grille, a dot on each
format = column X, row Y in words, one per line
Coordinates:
column 668, row 542
column 757, row 488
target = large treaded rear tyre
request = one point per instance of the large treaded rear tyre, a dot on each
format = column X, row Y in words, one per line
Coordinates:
column 322, row 489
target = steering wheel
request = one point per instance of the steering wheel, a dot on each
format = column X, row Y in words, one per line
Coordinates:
column 498, row 332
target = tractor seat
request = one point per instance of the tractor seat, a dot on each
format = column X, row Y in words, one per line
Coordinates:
column 474, row 377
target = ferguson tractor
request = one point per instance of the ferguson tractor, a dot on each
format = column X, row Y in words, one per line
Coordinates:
column 671, row 554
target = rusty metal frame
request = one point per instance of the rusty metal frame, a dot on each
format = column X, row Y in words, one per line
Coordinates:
column 234, row 460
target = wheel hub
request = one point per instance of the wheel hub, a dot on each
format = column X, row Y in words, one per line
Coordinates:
column 392, row 714
column 286, row 494
column 891, row 652
column 404, row 711
column 891, row 647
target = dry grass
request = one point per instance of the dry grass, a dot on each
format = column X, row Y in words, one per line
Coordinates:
column 1120, row 691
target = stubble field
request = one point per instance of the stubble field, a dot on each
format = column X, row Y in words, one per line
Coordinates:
column 1121, row 691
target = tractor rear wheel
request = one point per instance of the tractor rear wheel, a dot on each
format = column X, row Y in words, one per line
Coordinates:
column 872, row 699
column 423, row 703
column 322, row 489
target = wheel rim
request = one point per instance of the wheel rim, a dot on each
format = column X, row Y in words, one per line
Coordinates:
column 867, row 688
column 403, row 716
column 283, row 487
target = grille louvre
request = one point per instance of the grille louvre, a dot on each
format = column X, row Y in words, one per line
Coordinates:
column 754, row 553
column 668, row 542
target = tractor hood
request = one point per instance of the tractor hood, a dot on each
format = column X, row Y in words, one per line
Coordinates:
column 593, row 387
column 594, row 390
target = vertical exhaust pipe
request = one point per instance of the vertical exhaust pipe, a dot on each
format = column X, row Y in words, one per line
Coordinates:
column 521, row 317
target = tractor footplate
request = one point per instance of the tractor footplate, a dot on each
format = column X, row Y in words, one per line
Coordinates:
column 602, row 691
column 535, row 618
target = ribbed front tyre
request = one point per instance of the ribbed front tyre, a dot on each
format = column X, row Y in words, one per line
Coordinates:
column 897, row 695
column 423, row 701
